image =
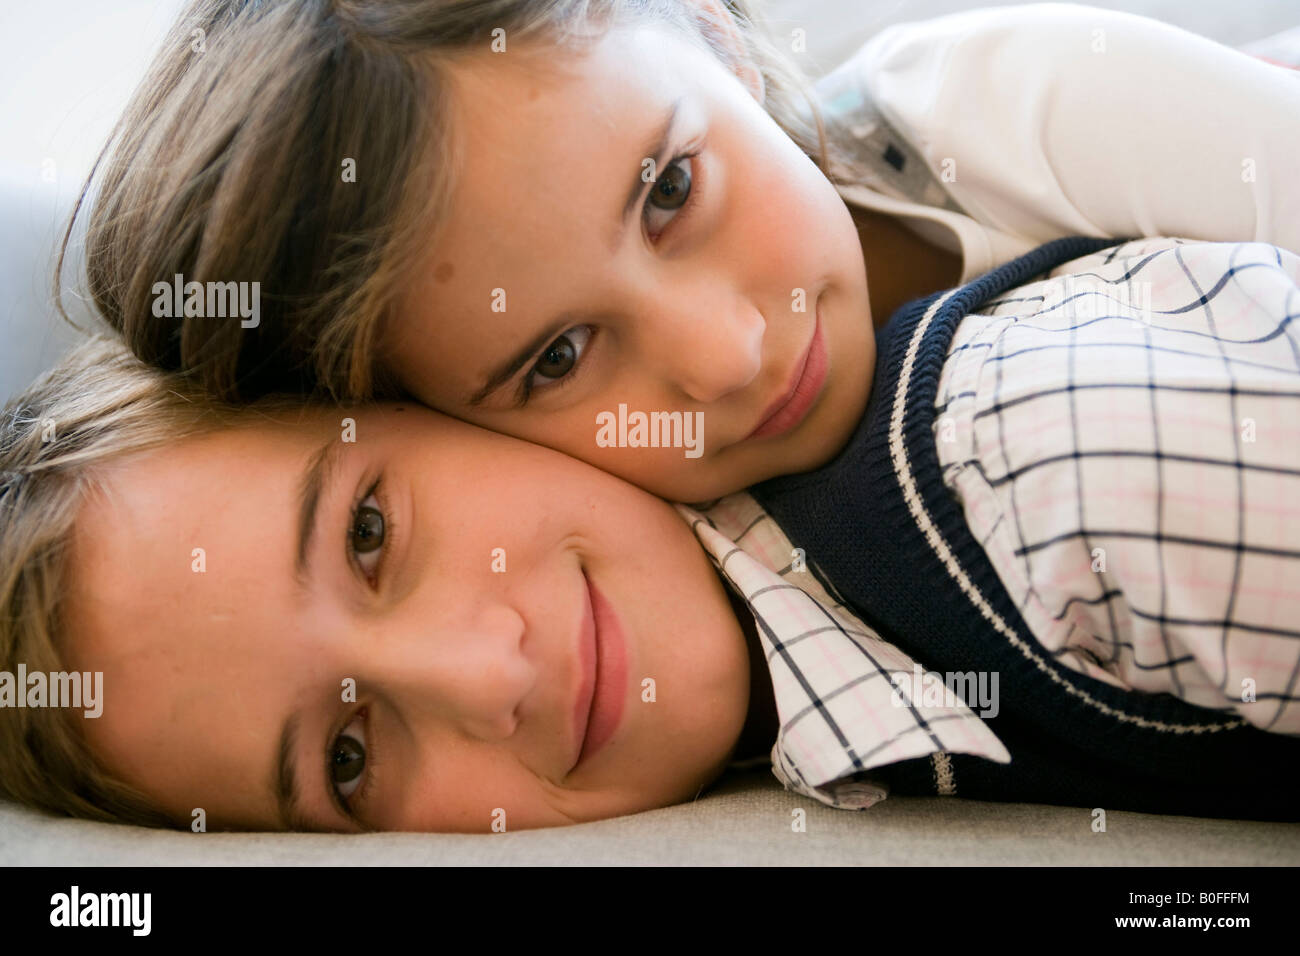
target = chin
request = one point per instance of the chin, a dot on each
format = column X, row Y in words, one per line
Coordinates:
column 695, row 787
column 833, row 432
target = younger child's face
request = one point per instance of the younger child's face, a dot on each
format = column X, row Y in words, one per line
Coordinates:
column 535, row 311
column 474, row 589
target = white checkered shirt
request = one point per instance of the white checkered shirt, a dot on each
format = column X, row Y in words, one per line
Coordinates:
column 844, row 696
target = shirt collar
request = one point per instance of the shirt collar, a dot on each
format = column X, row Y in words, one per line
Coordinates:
column 847, row 700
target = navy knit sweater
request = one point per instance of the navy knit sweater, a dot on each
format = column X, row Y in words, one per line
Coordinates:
column 1074, row 740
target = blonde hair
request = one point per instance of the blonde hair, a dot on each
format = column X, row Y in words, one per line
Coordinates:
column 226, row 165
column 99, row 403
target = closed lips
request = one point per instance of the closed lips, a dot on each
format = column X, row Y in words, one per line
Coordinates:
column 802, row 391
column 601, row 694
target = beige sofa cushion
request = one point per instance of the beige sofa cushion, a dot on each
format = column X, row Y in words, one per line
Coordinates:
column 746, row 820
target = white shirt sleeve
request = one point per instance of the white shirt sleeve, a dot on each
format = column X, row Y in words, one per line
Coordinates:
column 1054, row 119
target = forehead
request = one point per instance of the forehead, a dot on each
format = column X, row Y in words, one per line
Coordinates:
column 188, row 492
column 180, row 569
column 545, row 141
column 533, row 94
column 203, row 519
column 208, row 520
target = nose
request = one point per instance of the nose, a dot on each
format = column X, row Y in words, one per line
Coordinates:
column 468, row 670
column 707, row 348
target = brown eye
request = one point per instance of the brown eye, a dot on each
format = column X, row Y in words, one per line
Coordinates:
column 348, row 760
column 674, row 186
column 673, row 197
column 558, row 359
column 367, row 530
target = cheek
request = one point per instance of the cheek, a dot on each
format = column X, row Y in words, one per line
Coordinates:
column 468, row 791
column 591, row 436
column 815, row 247
column 781, row 203
column 667, row 474
column 648, row 468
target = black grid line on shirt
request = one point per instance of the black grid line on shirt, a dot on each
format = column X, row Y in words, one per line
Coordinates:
column 1100, row 579
column 1030, row 591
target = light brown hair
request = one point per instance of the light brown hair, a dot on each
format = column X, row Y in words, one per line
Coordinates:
column 98, row 403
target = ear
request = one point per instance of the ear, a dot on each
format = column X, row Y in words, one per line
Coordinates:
column 720, row 19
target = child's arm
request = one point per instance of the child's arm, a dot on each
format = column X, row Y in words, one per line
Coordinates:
column 1057, row 119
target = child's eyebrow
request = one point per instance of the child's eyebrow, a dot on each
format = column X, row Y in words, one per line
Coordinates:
column 656, row 145
column 320, row 467
column 284, row 782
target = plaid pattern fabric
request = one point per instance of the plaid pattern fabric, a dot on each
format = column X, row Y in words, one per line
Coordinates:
column 847, row 700
column 1124, row 437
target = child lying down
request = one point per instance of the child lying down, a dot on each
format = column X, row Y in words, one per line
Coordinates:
column 1056, row 563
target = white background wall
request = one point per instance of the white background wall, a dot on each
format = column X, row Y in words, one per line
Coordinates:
column 68, row 66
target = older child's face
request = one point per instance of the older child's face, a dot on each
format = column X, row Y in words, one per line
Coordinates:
column 531, row 641
column 732, row 285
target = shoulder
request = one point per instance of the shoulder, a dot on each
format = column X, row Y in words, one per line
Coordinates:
column 1075, row 29
column 986, row 61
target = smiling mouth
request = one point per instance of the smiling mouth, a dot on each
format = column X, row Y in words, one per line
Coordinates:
column 598, row 705
column 802, row 392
